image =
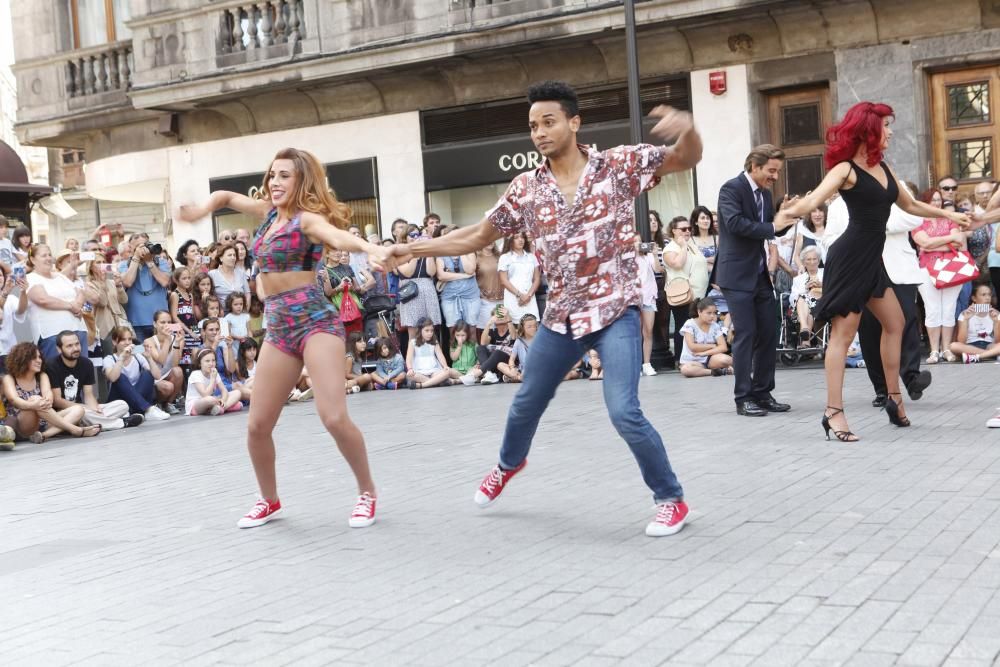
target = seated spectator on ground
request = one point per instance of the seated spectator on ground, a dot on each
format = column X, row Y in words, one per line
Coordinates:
column 703, row 351
column 166, row 347
column 425, row 363
column 206, row 393
column 12, row 309
column 463, row 354
column 390, row 367
column 246, row 369
column 56, row 303
column 27, row 397
column 495, row 344
column 807, row 288
column 513, row 369
column 146, row 278
column 357, row 379
column 214, row 339
column 978, row 335
column 596, row 368
column 72, row 377
column 854, row 358
column 303, row 389
column 132, row 376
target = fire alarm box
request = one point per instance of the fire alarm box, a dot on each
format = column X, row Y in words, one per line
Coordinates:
column 717, row 82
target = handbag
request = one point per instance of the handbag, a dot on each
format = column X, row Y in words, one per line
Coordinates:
column 348, row 309
column 408, row 292
column 956, row 268
column 679, row 292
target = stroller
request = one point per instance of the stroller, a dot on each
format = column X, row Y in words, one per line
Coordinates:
column 380, row 318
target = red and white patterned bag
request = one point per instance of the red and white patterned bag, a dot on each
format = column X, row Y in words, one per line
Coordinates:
column 956, row 268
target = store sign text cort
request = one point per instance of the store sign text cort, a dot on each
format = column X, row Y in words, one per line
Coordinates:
column 520, row 161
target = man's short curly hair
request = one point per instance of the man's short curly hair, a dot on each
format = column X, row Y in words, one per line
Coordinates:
column 20, row 357
column 556, row 91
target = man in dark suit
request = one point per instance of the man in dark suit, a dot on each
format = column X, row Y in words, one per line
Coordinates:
column 746, row 215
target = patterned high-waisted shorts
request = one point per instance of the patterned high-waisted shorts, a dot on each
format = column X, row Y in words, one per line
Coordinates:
column 293, row 316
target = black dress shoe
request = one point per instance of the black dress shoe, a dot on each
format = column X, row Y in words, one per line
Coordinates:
column 772, row 405
column 750, row 409
column 917, row 385
column 879, row 400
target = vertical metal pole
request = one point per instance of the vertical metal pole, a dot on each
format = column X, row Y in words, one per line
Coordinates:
column 635, row 110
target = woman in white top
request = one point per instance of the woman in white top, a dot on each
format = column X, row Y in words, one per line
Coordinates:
column 56, row 303
column 520, row 277
column 227, row 276
column 807, row 288
column 684, row 260
column 647, row 261
column 132, row 377
column 978, row 328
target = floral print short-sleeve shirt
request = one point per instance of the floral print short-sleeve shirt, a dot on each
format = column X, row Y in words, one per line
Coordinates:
column 586, row 250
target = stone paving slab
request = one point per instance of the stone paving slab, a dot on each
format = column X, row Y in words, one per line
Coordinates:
column 123, row 549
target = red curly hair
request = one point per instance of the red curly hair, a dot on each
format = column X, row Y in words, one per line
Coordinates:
column 861, row 124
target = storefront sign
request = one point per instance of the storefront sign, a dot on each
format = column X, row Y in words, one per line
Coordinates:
column 499, row 160
column 356, row 179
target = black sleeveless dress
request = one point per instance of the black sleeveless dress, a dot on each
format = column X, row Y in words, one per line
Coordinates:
column 854, row 270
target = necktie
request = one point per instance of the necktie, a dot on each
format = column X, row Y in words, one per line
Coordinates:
column 759, row 198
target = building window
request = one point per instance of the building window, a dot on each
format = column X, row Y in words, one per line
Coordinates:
column 797, row 122
column 97, row 22
column 969, row 104
column 963, row 128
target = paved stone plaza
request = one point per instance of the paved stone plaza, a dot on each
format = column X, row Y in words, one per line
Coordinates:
column 123, row 550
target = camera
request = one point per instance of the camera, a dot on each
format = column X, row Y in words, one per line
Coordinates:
column 153, row 248
column 646, row 248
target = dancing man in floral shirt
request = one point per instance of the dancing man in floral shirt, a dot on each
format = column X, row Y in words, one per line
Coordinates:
column 578, row 207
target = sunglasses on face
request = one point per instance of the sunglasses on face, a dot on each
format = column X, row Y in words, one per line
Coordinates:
column 683, row 229
column 949, row 188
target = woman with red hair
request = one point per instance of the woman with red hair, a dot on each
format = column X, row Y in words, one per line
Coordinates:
column 855, row 278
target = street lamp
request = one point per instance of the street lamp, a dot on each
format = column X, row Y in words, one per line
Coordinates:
column 635, row 110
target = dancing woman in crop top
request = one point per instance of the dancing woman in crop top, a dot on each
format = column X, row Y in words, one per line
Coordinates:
column 303, row 327
column 855, row 278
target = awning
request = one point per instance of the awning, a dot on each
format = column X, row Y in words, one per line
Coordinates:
column 57, row 206
column 131, row 177
column 14, row 177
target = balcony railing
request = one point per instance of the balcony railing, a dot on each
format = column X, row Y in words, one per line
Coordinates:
column 261, row 25
column 104, row 70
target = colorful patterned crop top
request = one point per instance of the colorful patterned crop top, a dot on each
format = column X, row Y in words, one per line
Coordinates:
column 288, row 249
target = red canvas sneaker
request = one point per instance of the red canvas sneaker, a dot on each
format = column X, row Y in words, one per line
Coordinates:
column 364, row 511
column 493, row 484
column 670, row 518
column 262, row 512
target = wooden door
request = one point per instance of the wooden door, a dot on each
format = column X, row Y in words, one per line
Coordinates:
column 964, row 127
column 797, row 123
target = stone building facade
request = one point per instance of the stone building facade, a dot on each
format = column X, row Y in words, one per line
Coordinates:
column 419, row 103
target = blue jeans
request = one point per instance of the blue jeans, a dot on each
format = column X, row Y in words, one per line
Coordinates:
column 620, row 348
column 142, row 332
column 139, row 396
column 49, row 347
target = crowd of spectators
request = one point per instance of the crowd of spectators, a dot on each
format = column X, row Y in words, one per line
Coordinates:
column 155, row 335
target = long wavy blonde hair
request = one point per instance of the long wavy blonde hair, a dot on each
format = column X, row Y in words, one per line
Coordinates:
column 311, row 190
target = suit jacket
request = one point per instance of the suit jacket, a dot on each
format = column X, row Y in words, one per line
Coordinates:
column 741, row 235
